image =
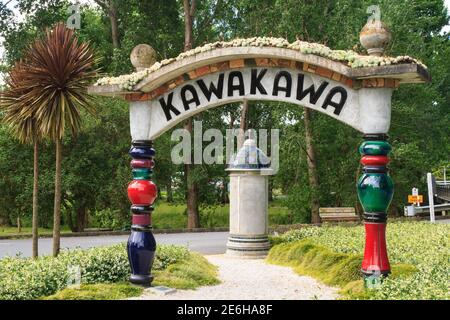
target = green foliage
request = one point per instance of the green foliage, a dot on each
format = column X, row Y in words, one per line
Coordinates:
column 187, row 272
column 191, row 273
column 107, row 218
column 419, row 244
column 168, row 255
column 335, row 269
column 32, row 278
column 96, row 167
column 97, row 291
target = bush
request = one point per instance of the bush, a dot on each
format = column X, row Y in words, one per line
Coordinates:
column 419, row 244
column 169, row 254
column 32, row 278
column 108, row 218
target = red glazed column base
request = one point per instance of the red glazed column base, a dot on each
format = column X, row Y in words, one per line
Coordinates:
column 375, row 260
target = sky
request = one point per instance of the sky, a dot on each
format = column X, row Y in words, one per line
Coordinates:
column 12, row 3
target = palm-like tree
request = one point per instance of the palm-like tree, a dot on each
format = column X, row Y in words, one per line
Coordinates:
column 25, row 129
column 59, row 70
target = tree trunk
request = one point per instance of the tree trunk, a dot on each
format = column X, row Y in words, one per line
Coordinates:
column 243, row 123
column 312, row 168
column 169, row 192
column 57, row 203
column 81, row 218
column 269, row 150
column 192, row 190
column 72, row 227
column 189, row 10
column 192, row 200
column 35, row 222
column 114, row 25
column 270, row 189
column 19, row 224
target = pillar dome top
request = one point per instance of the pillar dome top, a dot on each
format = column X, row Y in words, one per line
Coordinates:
column 249, row 158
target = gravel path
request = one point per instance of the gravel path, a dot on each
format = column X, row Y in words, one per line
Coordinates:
column 244, row 279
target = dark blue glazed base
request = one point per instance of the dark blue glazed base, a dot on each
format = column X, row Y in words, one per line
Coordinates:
column 141, row 249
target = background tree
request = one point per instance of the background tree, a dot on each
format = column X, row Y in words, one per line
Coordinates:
column 25, row 128
column 192, row 188
column 419, row 126
column 59, row 69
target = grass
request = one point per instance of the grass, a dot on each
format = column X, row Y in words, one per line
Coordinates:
column 418, row 252
column 334, row 269
column 4, row 231
column 173, row 216
column 190, row 273
column 98, row 291
column 104, row 272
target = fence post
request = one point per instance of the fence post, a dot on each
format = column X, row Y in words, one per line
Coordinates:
column 430, row 196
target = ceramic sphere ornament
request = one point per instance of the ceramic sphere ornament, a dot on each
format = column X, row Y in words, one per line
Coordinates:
column 143, row 56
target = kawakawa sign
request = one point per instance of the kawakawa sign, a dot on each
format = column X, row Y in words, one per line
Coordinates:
column 275, row 84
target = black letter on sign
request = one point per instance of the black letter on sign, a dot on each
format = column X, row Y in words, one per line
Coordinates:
column 194, row 98
column 212, row 89
column 276, row 84
column 167, row 107
column 313, row 94
column 239, row 86
column 337, row 106
column 256, row 81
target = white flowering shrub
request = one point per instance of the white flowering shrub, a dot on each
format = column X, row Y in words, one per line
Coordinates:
column 27, row 278
column 348, row 57
column 421, row 244
column 169, row 254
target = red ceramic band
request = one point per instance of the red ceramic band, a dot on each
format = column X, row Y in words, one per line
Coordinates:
column 142, row 163
column 142, row 219
column 368, row 160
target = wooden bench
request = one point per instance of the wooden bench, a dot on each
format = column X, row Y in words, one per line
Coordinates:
column 338, row 214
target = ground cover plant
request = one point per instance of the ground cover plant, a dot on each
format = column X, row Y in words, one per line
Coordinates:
column 97, row 291
column 418, row 252
column 37, row 278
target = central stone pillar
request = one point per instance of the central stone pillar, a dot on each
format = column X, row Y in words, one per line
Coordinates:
column 249, row 203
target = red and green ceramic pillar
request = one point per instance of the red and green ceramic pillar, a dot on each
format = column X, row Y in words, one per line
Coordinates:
column 142, row 193
column 375, row 191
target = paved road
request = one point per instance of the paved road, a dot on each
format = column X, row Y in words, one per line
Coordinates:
column 203, row 242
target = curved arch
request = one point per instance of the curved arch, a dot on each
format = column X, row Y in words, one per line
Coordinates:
column 404, row 72
column 151, row 118
column 359, row 97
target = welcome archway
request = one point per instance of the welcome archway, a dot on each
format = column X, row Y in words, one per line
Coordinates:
column 352, row 88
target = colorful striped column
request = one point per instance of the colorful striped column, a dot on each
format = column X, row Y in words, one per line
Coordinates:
column 142, row 192
column 375, row 191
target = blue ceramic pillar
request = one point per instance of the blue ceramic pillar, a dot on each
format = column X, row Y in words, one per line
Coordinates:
column 142, row 193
